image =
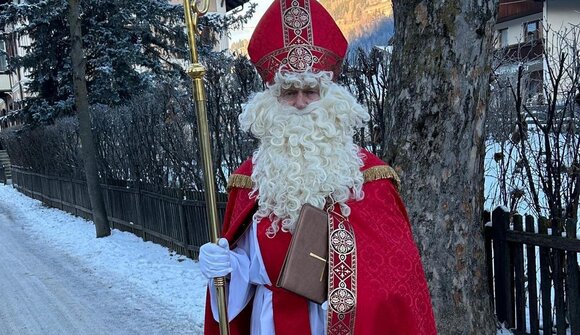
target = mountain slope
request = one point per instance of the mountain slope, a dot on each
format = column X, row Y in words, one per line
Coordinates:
column 365, row 23
column 356, row 18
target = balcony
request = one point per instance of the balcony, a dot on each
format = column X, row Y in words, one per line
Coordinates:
column 528, row 52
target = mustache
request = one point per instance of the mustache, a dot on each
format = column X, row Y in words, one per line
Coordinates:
column 291, row 110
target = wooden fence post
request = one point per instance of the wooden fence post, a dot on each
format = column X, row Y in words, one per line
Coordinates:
column 74, row 197
column 23, row 183
column 34, row 186
column 546, row 281
column 37, row 187
column 61, row 197
column 504, row 292
column 32, row 182
column 519, row 278
column 487, row 233
column 183, row 223
column 140, row 212
column 163, row 227
column 558, row 278
column 108, row 193
column 532, row 284
column 43, row 190
column 573, row 282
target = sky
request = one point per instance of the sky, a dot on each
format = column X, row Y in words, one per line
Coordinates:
column 246, row 32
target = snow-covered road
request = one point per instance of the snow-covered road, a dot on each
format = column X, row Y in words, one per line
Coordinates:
column 57, row 278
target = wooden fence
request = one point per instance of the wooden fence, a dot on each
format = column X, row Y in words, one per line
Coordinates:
column 533, row 273
column 170, row 217
column 2, row 174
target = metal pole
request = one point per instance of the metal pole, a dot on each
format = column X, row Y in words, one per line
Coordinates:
column 197, row 72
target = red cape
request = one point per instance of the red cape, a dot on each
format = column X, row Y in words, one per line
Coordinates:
column 392, row 293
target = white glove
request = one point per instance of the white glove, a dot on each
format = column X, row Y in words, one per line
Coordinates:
column 214, row 259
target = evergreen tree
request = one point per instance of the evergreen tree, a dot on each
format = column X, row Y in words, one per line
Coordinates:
column 127, row 44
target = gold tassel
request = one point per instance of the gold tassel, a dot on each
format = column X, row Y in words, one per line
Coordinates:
column 382, row 172
column 240, row 181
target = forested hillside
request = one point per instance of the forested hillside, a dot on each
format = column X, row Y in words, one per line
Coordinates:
column 357, row 17
column 365, row 23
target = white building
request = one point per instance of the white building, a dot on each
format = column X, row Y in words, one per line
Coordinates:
column 562, row 35
column 12, row 83
column 220, row 7
column 527, row 32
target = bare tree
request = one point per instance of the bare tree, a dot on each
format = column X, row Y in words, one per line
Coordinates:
column 365, row 75
column 439, row 80
column 536, row 166
column 537, row 148
column 86, row 135
column 229, row 83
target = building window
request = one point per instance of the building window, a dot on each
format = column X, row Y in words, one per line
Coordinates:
column 502, row 38
column 3, row 63
column 532, row 31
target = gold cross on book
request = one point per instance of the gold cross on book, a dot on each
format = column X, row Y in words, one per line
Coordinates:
column 320, row 259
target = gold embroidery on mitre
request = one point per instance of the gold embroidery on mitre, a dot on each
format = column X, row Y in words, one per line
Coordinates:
column 240, row 181
column 381, row 172
column 299, row 52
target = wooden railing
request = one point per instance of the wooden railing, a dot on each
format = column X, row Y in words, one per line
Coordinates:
column 171, row 217
column 533, row 273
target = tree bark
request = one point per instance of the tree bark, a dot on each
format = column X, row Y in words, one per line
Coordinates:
column 86, row 135
column 439, row 81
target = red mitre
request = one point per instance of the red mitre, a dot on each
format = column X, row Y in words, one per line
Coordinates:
column 296, row 35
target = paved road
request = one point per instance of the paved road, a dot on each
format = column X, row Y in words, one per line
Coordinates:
column 44, row 291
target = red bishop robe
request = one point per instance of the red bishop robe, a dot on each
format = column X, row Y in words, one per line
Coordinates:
column 392, row 297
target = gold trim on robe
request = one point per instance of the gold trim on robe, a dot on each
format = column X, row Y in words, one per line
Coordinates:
column 370, row 174
column 239, row 181
column 381, row 172
column 342, row 276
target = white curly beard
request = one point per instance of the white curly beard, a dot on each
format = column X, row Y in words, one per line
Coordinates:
column 305, row 155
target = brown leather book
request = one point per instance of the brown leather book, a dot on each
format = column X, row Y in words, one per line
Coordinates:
column 305, row 268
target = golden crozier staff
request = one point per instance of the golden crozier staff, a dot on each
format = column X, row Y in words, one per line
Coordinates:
column 197, row 71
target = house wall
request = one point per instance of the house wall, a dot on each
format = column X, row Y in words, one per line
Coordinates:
column 219, row 7
column 562, row 13
column 12, row 84
column 515, row 28
column 560, row 16
column 19, row 79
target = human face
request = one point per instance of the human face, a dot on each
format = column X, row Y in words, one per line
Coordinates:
column 299, row 98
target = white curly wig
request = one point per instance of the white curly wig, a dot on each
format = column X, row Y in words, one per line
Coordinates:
column 305, row 156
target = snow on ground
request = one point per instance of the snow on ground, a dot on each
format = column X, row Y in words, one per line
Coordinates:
column 503, row 331
column 146, row 289
column 143, row 272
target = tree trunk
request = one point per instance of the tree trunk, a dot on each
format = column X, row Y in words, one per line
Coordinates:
column 439, row 83
column 86, row 135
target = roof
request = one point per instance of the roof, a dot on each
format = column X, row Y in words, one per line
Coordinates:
column 513, row 9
